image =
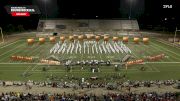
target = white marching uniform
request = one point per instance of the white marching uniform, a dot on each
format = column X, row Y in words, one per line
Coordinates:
column 69, row 48
column 96, row 48
column 111, row 48
column 100, row 49
column 104, row 48
column 89, row 47
column 72, row 48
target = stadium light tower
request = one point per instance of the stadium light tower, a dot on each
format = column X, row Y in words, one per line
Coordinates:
column 45, row 1
column 130, row 8
column 45, row 6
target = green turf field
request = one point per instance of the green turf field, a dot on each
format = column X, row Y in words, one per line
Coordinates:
column 167, row 68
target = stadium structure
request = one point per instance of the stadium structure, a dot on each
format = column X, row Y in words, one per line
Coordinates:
column 64, row 47
column 110, row 53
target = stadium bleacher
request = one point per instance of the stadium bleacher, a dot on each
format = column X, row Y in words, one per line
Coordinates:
column 85, row 25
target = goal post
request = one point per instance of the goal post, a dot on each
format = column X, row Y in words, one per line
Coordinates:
column 2, row 36
column 175, row 34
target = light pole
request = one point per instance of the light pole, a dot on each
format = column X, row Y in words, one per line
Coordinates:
column 130, row 7
column 2, row 35
column 45, row 8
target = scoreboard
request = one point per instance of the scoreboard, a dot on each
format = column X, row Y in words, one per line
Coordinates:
column 24, row 10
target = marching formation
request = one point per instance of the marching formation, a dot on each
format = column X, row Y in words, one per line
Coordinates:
column 21, row 58
column 89, row 47
column 51, row 62
column 156, row 57
column 140, row 61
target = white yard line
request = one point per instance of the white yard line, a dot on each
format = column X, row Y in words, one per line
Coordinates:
column 30, row 53
column 152, row 67
column 26, row 51
column 9, row 44
column 165, row 49
column 34, row 67
column 18, row 51
column 10, row 51
column 137, row 56
column 156, row 69
column 162, row 51
column 27, row 69
column 46, row 51
column 133, row 51
column 167, row 44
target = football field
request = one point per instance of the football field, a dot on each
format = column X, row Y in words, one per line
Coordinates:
column 166, row 68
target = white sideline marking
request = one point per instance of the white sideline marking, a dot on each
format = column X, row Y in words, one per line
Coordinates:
column 20, row 63
column 116, row 63
column 10, row 44
column 89, row 72
column 162, row 62
column 58, row 71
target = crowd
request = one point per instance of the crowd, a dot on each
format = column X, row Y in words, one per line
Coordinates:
column 151, row 83
column 153, row 96
column 120, row 96
column 71, row 84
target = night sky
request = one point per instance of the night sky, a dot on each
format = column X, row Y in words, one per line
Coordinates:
column 145, row 11
column 91, row 8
